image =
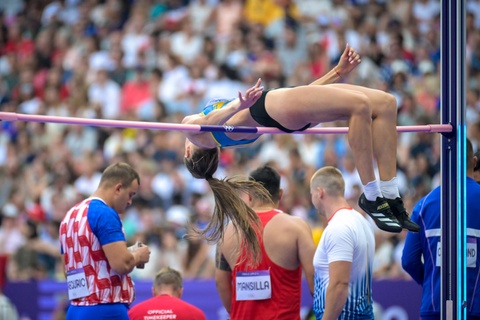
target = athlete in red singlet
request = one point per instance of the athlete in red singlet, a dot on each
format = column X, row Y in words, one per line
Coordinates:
column 272, row 289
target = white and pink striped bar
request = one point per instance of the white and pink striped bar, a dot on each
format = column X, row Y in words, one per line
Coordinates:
column 12, row 116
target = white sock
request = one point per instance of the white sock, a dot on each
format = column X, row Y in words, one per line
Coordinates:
column 389, row 189
column 372, row 191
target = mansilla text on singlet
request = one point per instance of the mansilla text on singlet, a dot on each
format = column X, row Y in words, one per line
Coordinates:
column 253, row 285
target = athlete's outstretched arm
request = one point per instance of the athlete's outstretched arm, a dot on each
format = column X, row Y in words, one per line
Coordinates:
column 349, row 60
column 221, row 116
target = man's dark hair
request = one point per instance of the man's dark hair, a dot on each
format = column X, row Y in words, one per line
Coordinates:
column 477, row 164
column 119, row 172
column 269, row 178
column 470, row 155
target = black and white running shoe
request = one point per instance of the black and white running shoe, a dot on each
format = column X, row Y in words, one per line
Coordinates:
column 379, row 210
column 399, row 211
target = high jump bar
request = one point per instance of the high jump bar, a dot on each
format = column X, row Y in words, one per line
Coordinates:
column 12, row 116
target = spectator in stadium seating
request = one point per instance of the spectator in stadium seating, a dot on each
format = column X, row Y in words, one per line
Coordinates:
column 11, row 237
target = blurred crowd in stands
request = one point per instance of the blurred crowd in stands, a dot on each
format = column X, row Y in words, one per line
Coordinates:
column 156, row 61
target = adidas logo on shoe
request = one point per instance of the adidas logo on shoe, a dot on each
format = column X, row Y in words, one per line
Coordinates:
column 379, row 211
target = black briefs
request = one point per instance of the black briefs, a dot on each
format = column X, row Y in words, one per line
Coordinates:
column 260, row 115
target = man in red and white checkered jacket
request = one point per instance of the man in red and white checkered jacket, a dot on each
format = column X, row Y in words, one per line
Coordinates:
column 97, row 260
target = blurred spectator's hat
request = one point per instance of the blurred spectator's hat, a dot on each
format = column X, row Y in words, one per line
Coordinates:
column 399, row 66
column 10, row 210
column 36, row 213
column 178, row 215
column 101, row 63
column 426, row 66
column 323, row 20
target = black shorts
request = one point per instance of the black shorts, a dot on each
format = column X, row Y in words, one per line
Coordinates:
column 260, row 115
